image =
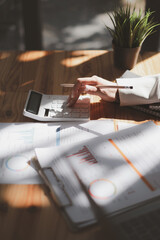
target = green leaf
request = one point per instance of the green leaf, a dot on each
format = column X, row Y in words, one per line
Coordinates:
column 130, row 28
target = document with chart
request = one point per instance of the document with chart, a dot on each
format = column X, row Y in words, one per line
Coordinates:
column 18, row 141
column 120, row 170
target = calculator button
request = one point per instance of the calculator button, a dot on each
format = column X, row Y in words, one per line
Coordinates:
column 53, row 105
column 75, row 115
column 58, row 109
column 59, row 101
column 84, row 110
column 67, row 115
column 84, row 115
column 52, row 113
column 69, row 110
column 59, row 115
column 74, row 110
column 84, row 106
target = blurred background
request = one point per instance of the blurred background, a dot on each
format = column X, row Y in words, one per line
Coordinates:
column 64, row 24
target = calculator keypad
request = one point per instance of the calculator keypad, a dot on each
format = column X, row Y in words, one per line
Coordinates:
column 59, row 109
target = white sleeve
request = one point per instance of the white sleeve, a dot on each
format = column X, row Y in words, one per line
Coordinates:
column 145, row 90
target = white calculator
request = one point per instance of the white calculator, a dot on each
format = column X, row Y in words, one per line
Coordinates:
column 43, row 107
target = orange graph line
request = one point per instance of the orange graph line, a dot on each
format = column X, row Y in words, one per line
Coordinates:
column 115, row 125
column 131, row 164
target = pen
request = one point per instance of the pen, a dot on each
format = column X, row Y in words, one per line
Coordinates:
column 70, row 85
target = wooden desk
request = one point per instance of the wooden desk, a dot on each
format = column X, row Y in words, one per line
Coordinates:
column 25, row 212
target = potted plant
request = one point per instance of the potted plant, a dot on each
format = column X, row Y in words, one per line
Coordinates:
column 130, row 30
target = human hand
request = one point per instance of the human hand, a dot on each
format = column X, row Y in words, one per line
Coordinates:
column 89, row 85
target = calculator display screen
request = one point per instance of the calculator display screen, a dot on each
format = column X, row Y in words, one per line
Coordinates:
column 34, row 102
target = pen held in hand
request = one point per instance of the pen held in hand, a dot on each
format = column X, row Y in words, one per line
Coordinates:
column 70, row 85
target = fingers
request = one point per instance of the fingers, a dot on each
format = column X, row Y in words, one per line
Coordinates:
column 90, row 89
column 73, row 97
column 82, row 85
column 75, row 93
column 88, row 85
column 88, row 81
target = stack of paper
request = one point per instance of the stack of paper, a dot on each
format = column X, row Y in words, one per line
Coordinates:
column 120, row 171
column 18, row 141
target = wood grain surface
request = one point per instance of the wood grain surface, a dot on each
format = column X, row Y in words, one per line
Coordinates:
column 25, row 211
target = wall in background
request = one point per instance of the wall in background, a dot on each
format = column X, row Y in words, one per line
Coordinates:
column 66, row 25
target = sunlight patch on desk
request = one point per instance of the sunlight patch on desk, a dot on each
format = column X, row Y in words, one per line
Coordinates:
column 5, row 55
column 148, row 61
column 26, row 83
column 24, row 196
column 32, row 56
column 77, row 59
column 2, row 93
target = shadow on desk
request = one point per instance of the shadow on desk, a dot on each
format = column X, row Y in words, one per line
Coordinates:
column 108, row 110
column 44, row 71
column 30, row 215
column 25, row 212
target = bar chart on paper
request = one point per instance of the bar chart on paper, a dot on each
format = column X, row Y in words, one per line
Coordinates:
column 103, row 185
column 100, row 188
column 114, row 175
column 18, row 139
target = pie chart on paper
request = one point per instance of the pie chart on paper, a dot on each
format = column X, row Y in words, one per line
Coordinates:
column 102, row 189
column 17, row 163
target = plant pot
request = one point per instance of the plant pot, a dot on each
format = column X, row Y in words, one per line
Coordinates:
column 125, row 58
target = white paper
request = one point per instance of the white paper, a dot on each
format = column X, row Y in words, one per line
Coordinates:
column 119, row 169
column 18, row 141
